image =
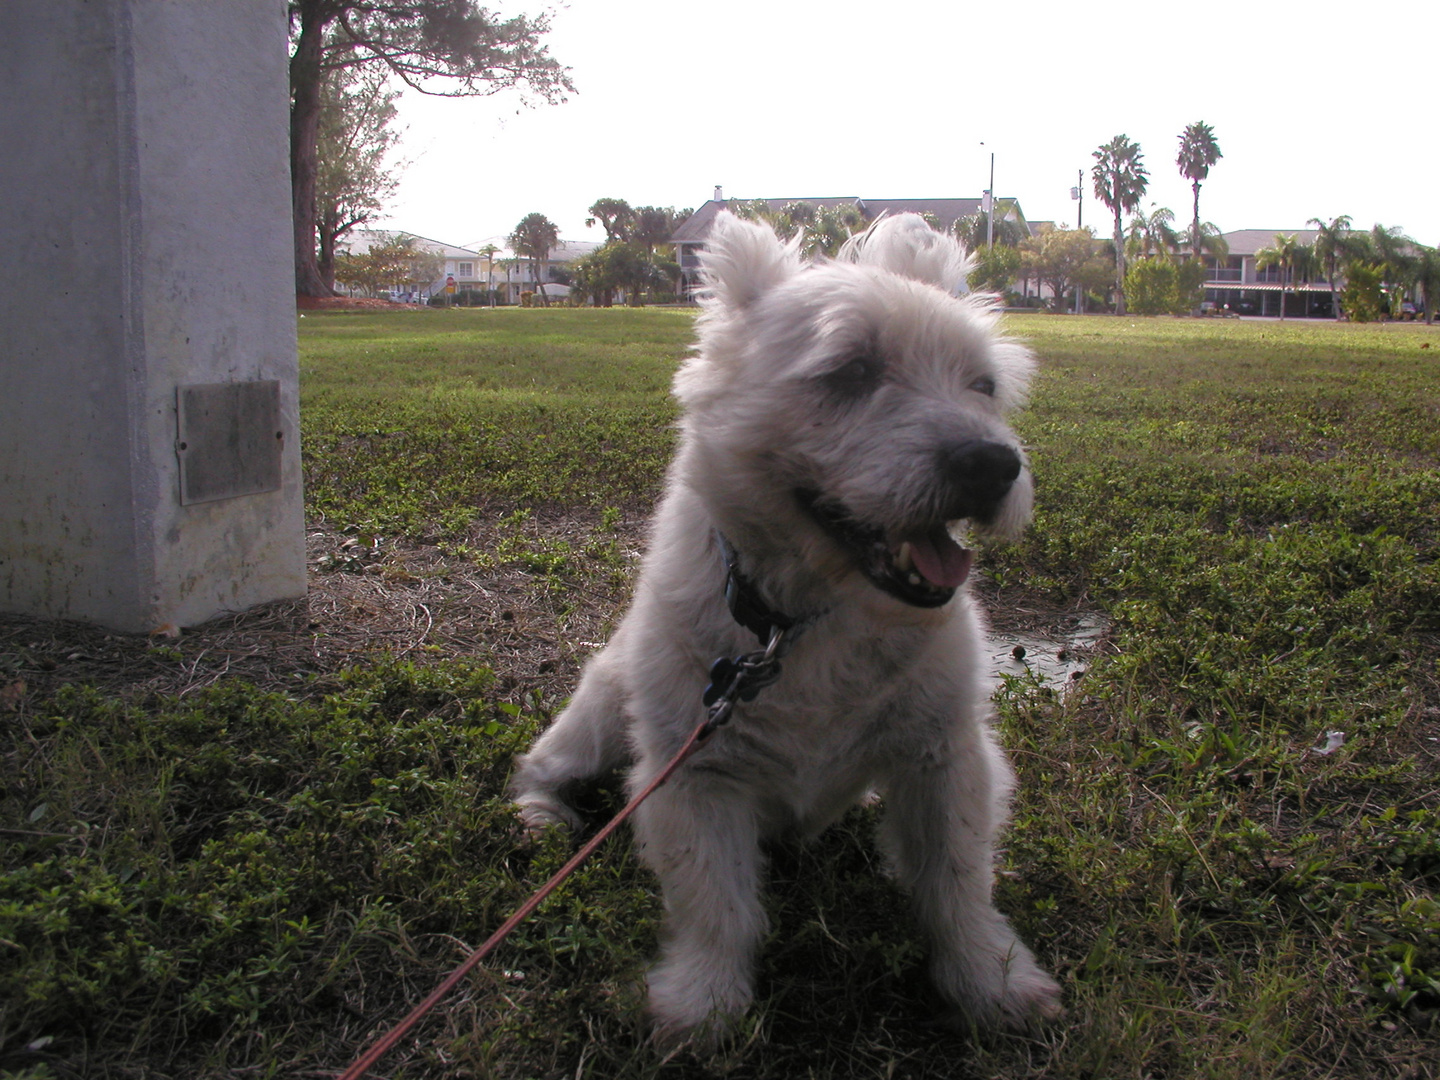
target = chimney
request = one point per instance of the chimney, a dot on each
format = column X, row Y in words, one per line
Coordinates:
column 719, row 193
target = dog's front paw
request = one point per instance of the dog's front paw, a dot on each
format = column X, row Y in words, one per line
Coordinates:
column 1006, row 990
column 694, row 1007
column 538, row 812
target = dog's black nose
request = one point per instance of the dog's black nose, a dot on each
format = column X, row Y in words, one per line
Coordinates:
column 980, row 474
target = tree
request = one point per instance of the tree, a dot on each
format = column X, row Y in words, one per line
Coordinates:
column 652, row 226
column 1153, row 234
column 823, row 229
column 973, row 229
column 1198, row 151
column 489, row 251
column 353, row 178
column 1213, row 242
column 795, row 217
column 830, row 228
column 614, row 216
column 450, row 48
column 996, row 268
column 534, row 238
column 424, row 268
column 1332, row 247
column 387, row 264
column 1120, row 180
column 639, row 271
column 1162, row 286
column 1395, row 252
column 1282, row 255
column 1428, row 275
column 1064, row 259
column 1364, row 293
column 755, row 210
column 596, row 275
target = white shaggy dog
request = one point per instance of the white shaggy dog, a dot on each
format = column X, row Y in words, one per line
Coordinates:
column 840, row 419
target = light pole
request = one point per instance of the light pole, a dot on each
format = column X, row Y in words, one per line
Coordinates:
column 1078, row 194
column 989, row 205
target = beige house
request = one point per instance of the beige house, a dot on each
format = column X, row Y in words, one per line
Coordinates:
column 1239, row 287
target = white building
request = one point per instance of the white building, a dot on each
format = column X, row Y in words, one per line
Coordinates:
column 486, row 264
column 513, row 274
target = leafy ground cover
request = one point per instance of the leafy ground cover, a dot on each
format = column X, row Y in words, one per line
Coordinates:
column 245, row 851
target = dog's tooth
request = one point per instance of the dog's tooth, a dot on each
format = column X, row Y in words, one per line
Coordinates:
column 914, row 579
column 905, row 558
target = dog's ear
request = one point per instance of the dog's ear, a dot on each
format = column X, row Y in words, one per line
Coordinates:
column 744, row 259
column 905, row 245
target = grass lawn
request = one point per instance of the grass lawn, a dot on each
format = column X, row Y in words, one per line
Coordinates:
column 247, row 851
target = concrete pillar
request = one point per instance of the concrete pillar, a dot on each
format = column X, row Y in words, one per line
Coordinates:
column 149, row 441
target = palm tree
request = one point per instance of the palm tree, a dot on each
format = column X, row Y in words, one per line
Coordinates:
column 653, row 226
column 1120, row 182
column 1213, row 242
column 1282, row 255
column 534, row 238
column 1430, row 280
column 489, row 251
column 1152, row 233
column 615, row 217
column 1198, row 151
column 1332, row 247
column 1396, row 252
column 831, row 227
column 973, row 230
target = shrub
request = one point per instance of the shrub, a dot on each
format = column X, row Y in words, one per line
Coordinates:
column 1363, row 298
column 1162, row 287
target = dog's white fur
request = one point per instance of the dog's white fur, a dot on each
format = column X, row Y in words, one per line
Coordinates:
column 847, row 380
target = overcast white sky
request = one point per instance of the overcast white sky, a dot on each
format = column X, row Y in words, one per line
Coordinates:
column 1320, row 108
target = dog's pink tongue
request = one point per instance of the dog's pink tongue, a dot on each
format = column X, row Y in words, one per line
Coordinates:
column 942, row 561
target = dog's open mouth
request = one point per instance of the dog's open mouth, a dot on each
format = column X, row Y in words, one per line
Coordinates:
column 923, row 566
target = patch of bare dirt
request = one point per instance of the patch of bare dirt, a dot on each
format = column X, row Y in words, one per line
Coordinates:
column 372, row 597
column 367, row 598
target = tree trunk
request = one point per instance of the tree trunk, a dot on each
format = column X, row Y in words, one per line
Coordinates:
column 304, row 135
column 1119, row 262
column 1195, row 223
column 325, row 263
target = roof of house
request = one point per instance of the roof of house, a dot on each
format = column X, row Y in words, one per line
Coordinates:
column 1249, row 241
column 695, row 228
column 361, row 240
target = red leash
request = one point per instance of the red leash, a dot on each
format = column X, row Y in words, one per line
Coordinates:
column 731, row 679
column 367, row 1061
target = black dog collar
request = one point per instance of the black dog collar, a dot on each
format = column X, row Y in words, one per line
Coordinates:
column 742, row 596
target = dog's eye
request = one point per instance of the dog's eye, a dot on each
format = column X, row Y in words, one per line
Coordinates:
column 984, row 385
column 856, row 378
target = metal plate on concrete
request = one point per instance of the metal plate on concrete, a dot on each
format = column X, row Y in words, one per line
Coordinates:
column 230, row 439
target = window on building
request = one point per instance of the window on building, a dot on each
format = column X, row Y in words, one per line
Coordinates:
column 467, row 269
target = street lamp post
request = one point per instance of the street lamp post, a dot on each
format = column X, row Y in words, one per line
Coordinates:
column 1078, row 194
column 990, row 209
column 988, row 204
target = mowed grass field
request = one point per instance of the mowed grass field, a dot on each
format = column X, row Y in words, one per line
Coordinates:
column 256, row 876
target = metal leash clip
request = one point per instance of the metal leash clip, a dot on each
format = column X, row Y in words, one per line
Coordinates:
column 740, row 678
